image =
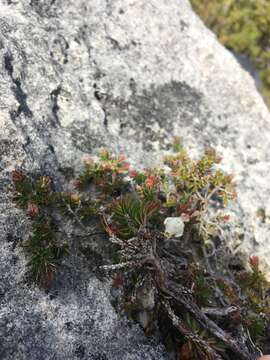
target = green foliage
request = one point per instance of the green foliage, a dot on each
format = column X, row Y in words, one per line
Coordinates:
column 243, row 26
column 191, row 350
column 199, row 178
column 130, row 214
column 227, row 290
column 256, row 326
column 202, row 291
column 107, row 174
column 43, row 247
column 176, row 192
column 255, row 287
column 134, row 207
column 66, row 200
column 253, row 301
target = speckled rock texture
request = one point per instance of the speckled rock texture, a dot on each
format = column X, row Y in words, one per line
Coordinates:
column 128, row 75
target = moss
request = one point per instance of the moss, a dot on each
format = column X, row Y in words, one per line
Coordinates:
column 244, row 27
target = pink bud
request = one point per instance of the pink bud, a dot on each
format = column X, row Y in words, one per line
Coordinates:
column 32, row 210
column 17, row 175
column 76, row 184
column 133, row 173
column 124, row 166
column 254, row 261
column 151, row 181
column 226, row 218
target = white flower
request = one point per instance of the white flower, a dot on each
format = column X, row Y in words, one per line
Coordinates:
column 167, row 170
column 174, row 226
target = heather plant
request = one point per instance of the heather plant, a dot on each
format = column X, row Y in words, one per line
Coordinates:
column 165, row 229
column 44, row 246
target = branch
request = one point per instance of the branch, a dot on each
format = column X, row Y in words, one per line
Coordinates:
column 219, row 312
column 188, row 334
column 179, row 294
column 119, row 266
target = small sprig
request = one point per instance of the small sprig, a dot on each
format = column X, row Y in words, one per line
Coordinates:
column 107, row 174
column 130, row 214
column 44, row 248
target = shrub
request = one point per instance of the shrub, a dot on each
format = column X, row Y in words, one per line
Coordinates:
column 172, row 280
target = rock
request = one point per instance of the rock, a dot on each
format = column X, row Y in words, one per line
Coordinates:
column 246, row 63
column 128, row 75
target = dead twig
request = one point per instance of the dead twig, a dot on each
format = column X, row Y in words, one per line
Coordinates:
column 219, row 312
column 179, row 295
column 188, row 334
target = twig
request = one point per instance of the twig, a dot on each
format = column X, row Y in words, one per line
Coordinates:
column 178, row 294
column 209, row 269
column 219, row 312
column 78, row 220
column 195, row 338
column 93, row 234
column 119, row 266
column 76, row 217
column 253, row 347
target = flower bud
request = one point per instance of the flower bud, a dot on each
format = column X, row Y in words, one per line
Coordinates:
column 254, row 261
column 76, row 184
column 133, row 173
column 17, row 175
column 151, row 181
column 174, row 226
column 32, row 210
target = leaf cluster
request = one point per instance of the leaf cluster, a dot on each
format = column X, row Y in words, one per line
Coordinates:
column 44, row 246
column 130, row 214
column 106, row 174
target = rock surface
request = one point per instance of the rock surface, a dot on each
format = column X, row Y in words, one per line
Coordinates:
column 128, row 75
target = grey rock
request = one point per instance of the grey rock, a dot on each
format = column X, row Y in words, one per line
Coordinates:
column 128, row 75
column 245, row 62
